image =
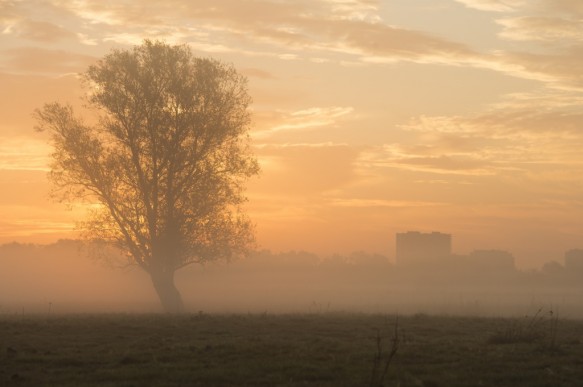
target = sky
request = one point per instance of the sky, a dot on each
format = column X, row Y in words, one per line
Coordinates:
column 369, row 117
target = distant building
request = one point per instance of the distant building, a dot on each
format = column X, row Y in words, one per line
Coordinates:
column 574, row 259
column 416, row 248
column 492, row 260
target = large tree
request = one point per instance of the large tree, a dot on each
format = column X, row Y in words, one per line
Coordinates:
column 165, row 162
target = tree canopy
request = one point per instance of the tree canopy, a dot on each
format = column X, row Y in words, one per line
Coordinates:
column 166, row 161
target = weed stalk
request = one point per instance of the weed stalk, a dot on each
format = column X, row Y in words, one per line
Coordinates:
column 381, row 360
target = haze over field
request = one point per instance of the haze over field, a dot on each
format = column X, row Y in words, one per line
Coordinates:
column 66, row 277
column 62, row 277
column 369, row 117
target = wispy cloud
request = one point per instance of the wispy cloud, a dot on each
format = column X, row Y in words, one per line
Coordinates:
column 34, row 226
column 8, row 16
column 33, row 60
column 324, row 27
column 542, row 28
column 362, row 203
column 440, row 163
column 528, row 134
column 493, row 5
column 306, row 119
column 41, row 31
column 342, row 31
column 23, row 154
column 253, row 72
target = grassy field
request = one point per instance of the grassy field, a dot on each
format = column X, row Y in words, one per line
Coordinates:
column 289, row 350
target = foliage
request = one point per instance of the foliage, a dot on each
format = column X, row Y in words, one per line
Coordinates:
column 167, row 159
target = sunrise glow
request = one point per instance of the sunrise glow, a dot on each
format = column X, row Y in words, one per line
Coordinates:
column 370, row 117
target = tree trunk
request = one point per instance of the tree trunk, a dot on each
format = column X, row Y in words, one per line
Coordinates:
column 167, row 292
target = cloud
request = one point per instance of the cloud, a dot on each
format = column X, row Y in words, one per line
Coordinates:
column 41, row 31
column 379, row 203
column 345, row 31
column 554, row 23
column 440, row 163
column 378, row 40
column 40, row 22
column 43, row 61
column 8, row 12
column 558, row 21
column 306, row 119
column 95, row 14
column 542, row 28
column 339, row 31
column 328, row 27
column 557, row 27
column 572, row 7
column 444, row 164
column 531, row 136
column 556, row 70
column 493, row 5
column 27, row 227
column 257, row 73
column 23, row 154
column 366, row 10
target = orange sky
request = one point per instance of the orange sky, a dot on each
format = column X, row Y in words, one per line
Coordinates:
column 370, row 117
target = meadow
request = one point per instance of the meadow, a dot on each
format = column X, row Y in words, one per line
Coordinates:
column 319, row 349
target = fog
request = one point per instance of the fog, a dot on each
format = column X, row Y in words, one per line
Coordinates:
column 65, row 278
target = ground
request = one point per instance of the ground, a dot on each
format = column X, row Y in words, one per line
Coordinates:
column 332, row 349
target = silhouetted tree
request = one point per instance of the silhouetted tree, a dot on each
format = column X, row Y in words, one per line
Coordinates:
column 166, row 161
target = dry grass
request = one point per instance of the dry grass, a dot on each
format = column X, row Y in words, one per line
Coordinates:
column 541, row 328
column 278, row 350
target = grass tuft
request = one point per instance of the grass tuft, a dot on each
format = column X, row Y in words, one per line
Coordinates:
column 540, row 328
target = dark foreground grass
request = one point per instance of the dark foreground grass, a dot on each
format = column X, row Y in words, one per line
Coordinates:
column 278, row 350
